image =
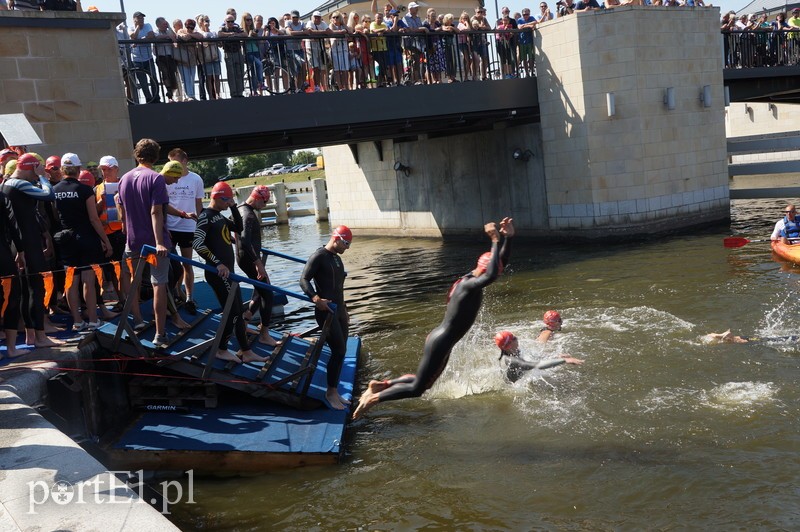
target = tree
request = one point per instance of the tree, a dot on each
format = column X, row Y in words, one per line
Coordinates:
column 303, row 157
column 210, row 169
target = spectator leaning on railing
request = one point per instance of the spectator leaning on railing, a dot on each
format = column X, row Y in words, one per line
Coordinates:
column 234, row 60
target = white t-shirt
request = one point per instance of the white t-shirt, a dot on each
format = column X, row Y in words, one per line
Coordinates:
column 182, row 196
column 776, row 233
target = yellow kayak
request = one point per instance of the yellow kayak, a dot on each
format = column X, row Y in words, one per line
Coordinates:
column 790, row 252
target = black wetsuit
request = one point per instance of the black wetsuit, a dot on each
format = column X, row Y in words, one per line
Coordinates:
column 9, row 232
column 325, row 268
column 247, row 253
column 212, row 241
column 24, row 198
column 464, row 302
column 517, row 366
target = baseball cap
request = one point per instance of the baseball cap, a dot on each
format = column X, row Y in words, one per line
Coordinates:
column 70, row 159
column 27, row 161
column 316, row 14
column 7, row 154
column 54, row 161
column 108, row 160
column 139, row 14
column 172, row 169
column 393, row 12
column 796, row 10
column 295, row 13
column 412, row 5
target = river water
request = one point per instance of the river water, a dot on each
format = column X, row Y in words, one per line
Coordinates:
column 657, row 430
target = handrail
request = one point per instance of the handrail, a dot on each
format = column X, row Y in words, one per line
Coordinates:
column 282, row 255
column 150, row 250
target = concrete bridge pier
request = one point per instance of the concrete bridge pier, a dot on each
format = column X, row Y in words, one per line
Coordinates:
column 656, row 161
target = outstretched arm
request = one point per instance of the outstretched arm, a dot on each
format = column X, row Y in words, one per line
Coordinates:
column 507, row 230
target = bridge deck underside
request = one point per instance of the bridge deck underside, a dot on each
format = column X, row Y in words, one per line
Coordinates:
column 252, row 125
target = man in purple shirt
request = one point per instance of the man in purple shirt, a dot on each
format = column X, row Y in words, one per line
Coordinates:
column 144, row 200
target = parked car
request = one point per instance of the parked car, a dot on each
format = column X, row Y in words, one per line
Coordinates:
column 295, row 168
column 311, row 167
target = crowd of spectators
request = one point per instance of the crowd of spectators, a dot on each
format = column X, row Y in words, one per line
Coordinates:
column 753, row 40
column 392, row 45
column 72, row 233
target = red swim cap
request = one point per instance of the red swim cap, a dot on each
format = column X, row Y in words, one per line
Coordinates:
column 503, row 339
column 7, row 154
column 552, row 318
column 86, row 178
column 54, row 161
column 27, row 161
column 221, row 190
column 261, row 192
column 343, row 233
column 485, row 259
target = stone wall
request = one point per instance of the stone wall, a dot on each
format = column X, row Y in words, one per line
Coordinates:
column 62, row 71
column 646, row 166
column 762, row 118
column 454, row 186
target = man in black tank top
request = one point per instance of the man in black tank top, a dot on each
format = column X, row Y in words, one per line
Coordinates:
column 463, row 303
column 326, row 270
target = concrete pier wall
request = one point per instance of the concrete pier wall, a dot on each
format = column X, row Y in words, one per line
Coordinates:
column 51, row 71
column 647, row 166
column 454, row 184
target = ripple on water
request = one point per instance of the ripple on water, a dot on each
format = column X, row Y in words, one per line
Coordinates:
column 740, row 396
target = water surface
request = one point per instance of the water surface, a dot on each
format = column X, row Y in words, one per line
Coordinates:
column 657, row 430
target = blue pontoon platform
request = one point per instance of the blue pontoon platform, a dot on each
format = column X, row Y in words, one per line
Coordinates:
column 274, row 416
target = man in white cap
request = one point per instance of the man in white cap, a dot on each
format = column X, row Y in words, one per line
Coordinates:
column 315, row 51
column 112, row 224
column 415, row 45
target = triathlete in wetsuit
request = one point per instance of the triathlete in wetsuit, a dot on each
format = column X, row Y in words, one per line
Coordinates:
column 248, row 257
column 325, row 268
column 9, row 298
column 516, row 366
column 212, row 241
column 464, row 302
column 24, row 196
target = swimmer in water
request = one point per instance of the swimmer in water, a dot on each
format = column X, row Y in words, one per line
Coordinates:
column 729, row 338
column 552, row 325
column 463, row 303
column 516, row 366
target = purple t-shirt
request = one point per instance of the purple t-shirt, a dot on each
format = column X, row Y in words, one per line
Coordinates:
column 139, row 190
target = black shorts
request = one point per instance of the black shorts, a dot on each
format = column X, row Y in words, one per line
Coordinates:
column 79, row 249
column 117, row 239
column 181, row 239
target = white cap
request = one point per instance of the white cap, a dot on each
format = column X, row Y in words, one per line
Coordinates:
column 70, row 159
column 316, row 14
column 412, row 5
column 108, row 160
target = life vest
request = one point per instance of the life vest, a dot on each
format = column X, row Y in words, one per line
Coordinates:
column 791, row 229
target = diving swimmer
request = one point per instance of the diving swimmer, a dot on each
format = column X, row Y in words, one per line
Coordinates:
column 516, row 365
column 463, row 303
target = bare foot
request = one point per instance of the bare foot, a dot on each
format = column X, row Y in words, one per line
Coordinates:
column 342, row 399
column 47, row 342
column 178, row 322
column 249, row 356
column 50, row 328
column 266, row 339
column 14, row 353
column 224, row 354
column 367, row 400
column 333, row 399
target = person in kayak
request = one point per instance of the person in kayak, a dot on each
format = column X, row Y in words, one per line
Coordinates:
column 787, row 227
column 516, row 366
column 463, row 303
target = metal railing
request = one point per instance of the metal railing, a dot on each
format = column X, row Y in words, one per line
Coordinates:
column 159, row 70
column 761, row 48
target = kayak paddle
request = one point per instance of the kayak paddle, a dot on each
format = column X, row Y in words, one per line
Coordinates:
column 739, row 241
